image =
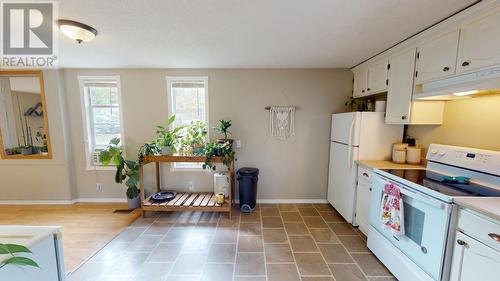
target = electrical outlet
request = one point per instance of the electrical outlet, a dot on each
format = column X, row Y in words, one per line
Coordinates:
column 191, row 187
column 98, row 187
column 238, row 143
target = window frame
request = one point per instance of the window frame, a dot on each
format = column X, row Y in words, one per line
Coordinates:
column 88, row 128
column 188, row 167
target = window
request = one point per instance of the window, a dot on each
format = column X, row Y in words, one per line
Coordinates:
column 188, row 100
column 101, row 114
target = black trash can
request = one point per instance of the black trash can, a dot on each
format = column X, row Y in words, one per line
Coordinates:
column 247, row 179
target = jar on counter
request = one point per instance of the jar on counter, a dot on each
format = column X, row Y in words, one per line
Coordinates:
column 399, row 153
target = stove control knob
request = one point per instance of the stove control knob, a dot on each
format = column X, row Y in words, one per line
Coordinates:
column 434, row 152
column 442, row 153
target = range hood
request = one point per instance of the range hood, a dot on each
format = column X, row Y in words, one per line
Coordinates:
column 461, row 86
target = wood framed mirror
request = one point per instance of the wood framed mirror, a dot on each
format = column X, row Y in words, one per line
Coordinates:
column 24, row 126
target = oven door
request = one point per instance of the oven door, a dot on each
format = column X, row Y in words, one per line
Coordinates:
column 426, row 221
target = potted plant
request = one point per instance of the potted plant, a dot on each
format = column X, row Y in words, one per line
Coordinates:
column 223, row 128
column 27, row 150
column 42, row 137
column 195, row 137
column 11, row 250
column 166, row 137
column 126, row 170
column 224, row 150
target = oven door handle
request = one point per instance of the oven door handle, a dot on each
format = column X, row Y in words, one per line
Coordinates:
column 423, row 198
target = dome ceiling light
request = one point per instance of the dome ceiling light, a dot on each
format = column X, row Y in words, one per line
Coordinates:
column 77, row 31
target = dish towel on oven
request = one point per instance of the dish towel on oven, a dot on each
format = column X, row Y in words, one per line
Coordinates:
column 391, row 209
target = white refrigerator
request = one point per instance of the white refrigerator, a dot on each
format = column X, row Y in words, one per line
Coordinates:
column 356, row 136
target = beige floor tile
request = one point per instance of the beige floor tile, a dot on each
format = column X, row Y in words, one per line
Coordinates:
column 335, row 253
column 311, row 264
column 317, row 278
column 151, row 271
column 252, row 217
column 166, row 252
column 324, row 235
column 342, row 228
column 222, row 253
column 354, row 244
column 303, row 243
column 250, row 264
column 250, row 244
column 191, row 263
column 296, row 228
column 226, row 222
column 145, row 243
column 272, row 222
column 323, row 207
column 251, row 228
column 159, row 228
column 197, row 243
column 315, row 222
column 226, row 235
column 249, row 278
column 287, row 207
column 370, row 265
column 332, row 216
column 177, row 234
column 269, row 211
column 382, row 279
column 347, row 272
column 277, row 235
column 217, row 272
column 282, row 272
column 278, row 253
column 183, row 278
column 308, row 211
column 205, row 228
column 291, row 216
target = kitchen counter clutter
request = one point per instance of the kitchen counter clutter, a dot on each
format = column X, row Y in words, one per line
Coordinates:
column 44, row 242
column 488, row 206
column 385, row 164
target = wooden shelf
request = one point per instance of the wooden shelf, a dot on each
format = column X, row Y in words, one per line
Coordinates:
column 179, row 158
column 184, row 200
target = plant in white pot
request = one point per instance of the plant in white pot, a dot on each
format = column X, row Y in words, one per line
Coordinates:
column 127, row 170
column 167, row 137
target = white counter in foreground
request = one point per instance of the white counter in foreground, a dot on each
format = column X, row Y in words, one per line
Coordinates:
column 46, row 244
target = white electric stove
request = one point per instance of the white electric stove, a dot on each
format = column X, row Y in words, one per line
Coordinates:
column 424, row 252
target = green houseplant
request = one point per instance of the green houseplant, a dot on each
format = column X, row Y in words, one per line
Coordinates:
column 167, row 137
column 195, row 136
column 126, row 170
column 223, row 128
column 224, row 150
column 12, row 250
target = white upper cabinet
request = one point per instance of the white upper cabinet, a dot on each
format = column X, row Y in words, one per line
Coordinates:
column 360, row 83
column 437, row 58
column 377, row 78
column 400, row 89
column 480, row 43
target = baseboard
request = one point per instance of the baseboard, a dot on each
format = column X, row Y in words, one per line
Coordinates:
column 63, row 202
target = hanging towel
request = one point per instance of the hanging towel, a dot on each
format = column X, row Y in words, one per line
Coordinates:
column 282, row 122
column 391, row 209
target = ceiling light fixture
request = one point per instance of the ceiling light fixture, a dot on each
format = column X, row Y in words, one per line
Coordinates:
column 460, row 94
column 77, row 31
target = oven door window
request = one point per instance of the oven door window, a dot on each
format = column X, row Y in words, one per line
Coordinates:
column 414, row 221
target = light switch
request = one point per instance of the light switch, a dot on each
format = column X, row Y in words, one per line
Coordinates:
column 238, row 143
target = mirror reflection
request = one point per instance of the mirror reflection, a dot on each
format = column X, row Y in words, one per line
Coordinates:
column 23, row 120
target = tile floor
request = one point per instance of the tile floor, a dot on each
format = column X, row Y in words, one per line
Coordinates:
column 275, row 243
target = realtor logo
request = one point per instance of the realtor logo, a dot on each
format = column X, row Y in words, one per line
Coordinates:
column 28, row 35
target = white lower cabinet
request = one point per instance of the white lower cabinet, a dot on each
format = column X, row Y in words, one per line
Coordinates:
column 474, row 259
column 364, row 188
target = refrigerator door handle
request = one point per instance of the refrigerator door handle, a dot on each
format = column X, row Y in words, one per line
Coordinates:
column 349, row 145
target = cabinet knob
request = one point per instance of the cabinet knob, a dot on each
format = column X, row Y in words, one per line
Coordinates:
column 446, row 69
column 368, row 89
column 365, row 175
column 494, row 236
column 403, row 117
column 362, row 91
column 461, row 242
column 465, row 63
column 370, row 189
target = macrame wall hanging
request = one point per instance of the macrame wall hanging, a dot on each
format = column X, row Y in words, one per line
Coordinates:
column 281, row 121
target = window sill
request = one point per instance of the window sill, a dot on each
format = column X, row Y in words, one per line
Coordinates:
column 101, row 168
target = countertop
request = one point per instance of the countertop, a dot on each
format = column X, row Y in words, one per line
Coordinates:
column 385, row 164
column 24, row 235
column 488, row 206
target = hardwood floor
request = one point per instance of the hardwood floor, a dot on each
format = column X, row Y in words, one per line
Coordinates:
column 86, row 227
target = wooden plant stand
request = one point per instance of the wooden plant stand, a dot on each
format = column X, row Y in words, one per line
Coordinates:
column 184, row 201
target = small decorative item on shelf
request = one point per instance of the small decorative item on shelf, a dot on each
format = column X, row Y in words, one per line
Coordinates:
column 194, row 137
column 167, row 137
column 223, row 128
column 219, row 198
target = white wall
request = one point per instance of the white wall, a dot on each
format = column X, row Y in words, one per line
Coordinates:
column 294, row 169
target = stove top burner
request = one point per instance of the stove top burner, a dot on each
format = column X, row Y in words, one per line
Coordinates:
column 441, row 183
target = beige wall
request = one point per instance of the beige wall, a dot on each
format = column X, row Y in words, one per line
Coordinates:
column 472, row 122
column 42, row 179
column 293, row 169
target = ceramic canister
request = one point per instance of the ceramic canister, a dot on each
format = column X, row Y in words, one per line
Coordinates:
column 413, row 155
column 399, row 153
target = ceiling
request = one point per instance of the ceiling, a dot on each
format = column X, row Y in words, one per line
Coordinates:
column 243, row 33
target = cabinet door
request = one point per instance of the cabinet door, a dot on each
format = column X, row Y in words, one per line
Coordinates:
column 360, row 80
column 473, row 261
column 437, row 58
column 400, row 89
column 377, row 78
column 480, row 43
column 363, row 204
